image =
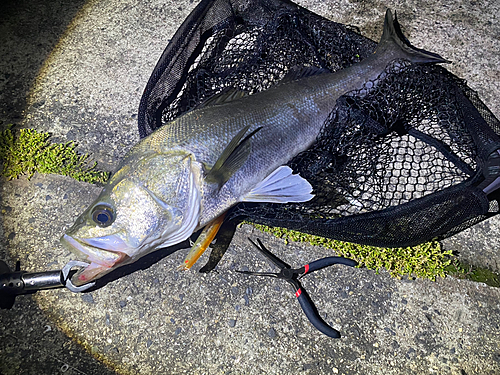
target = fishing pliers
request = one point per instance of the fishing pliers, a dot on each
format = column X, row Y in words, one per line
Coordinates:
column 20, row 282
column 293, row 276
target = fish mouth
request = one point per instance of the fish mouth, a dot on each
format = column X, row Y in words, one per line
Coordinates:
column 102, row 260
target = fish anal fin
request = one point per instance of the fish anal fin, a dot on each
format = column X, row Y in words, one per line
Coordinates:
column 281, row 186
column 232, row 158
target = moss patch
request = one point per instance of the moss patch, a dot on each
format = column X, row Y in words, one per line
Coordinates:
column 425, row 261
column 27, row 151
column 473, row 273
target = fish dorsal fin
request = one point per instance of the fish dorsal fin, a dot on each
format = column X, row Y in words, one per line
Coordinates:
column 281, row 186
column 298, row 72
column 225, row 96
column 232, row 158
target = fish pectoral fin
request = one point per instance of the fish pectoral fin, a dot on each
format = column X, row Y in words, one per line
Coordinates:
column 202, row 242
column 232, row 158
column 281, row 186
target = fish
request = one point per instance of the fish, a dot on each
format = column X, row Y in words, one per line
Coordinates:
column 233, row 148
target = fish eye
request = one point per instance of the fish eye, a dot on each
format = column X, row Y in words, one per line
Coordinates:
column 103, row 215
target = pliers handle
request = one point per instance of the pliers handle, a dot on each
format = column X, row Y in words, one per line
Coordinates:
column 293, row 275
column 19, row 282
column 305, row 301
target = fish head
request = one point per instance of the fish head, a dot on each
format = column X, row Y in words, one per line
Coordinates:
column 150, row 202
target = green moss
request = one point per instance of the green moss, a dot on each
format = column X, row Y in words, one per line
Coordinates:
column 27, row 151
column 465, row 271
column 425, row 261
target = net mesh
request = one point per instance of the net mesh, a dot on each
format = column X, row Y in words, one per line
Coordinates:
column 400, row 161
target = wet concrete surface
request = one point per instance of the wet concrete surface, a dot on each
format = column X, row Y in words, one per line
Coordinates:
column 78, row 70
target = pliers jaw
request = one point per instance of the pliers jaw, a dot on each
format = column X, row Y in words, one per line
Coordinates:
column 292, row 276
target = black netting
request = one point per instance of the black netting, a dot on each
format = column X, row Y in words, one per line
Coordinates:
column 249, row 45
column 400, row 161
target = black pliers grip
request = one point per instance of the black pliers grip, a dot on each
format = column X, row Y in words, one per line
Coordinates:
column 17, row 282
column 293, row 275
column 305, row 301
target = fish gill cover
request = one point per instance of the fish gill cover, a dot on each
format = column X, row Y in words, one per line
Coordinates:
column 404, row 160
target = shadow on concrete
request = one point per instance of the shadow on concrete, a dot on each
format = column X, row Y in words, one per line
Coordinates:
column 32, row 344
column 29, row 31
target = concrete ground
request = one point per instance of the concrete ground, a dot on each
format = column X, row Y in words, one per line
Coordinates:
column 77, row 69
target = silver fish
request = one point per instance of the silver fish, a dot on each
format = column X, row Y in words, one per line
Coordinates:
column 187, row 174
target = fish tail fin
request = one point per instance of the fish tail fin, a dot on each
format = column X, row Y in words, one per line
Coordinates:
column 394, row 42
